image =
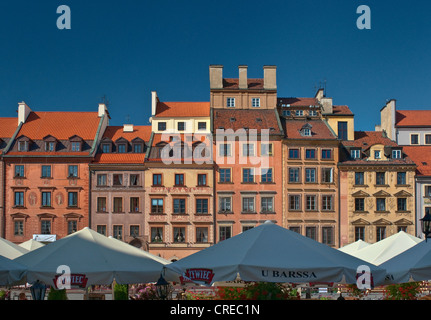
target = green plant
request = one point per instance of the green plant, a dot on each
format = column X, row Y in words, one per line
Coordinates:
column 57, row 294
column 258, row 291
column 354, row 291
column 4, row 294
column 402, row 291
column 121, row 292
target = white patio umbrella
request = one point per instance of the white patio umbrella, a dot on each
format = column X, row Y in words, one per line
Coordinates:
column 91, row 258
column 10, row 271
column 31, row 245
column 353, row 247
column 272, row 253
column 383, row 250
column 11, row 250
column 414, row 264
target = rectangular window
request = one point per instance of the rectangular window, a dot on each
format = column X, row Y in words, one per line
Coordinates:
column 106, row 148
column 156, row 205
column 117, row 179
column 359, row 204
column 157, row 179
column 49, row 146
column 327, row 203
column 311, row 232
column 156, row 234
column 72, row 199
column 342, row 130
column 295, row 202
column 310, row 203
column 248, row 204
column 46, row 171
column 18, row 228
column 225, row 204
column 225, row 232
column 121, row 148
column 377, row 154
column 201, row 234
column 22, row 145
column 427, row 138
column 414, row 139
column 76, row 146
column 396, row 154
column 327, row 175
column 230, row 102
column 248, row 149
column 179, row 234
column 101, row 204
column 266, row 174
column 179, row 179
column 134, row 180
column 247, row 175
column 381, row 204
column 225, row 150
column 295, row 229
column 310, row 154
column 312, row 113
column 255, row 102
column 293, row 153
column 380, row 233
column 19, row 199
column 401, row 204
column 19, row 170
column 310, row 175
column 134, row 204
column 427, row 191
column 359, row 178
column 328, row 235
column 46, row 199
column 117, row 232
column 134, row 231
column 101, row 229
column 359, row 233
column 326, row 154
column 401, row 178
column 202, row 206
column 118, row 204
column 380, row 178
column 72, row 226
column 181, row 126
column 267, row 204
column 179, row 206
column 202, row 125
column 293, row 174
column 101, row 180
column 161, row 126
column 225, row 175
column 137, row 148
column 202, row 179
column 45, row 227
column 73, row 171
column 285, row 113
column 355, row 153
column 266, row 149
column 299, row 113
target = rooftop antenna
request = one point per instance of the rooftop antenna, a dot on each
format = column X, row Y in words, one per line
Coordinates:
column 105, row 100
column 128, row 118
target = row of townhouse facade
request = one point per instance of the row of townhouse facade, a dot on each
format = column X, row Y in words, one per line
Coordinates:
column 202, row 172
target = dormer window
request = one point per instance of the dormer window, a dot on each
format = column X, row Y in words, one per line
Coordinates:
column 355, row 153
column 299, row 113
column 121, row 145
column 286, row 113
column 377, row 154
column 76, row 146
column 306, row 130
column 121, row 148
column 106, row 147
column 137, row 148
column 50, row 146
column 312, row 113
column 75, row 143
column 396, row 154
column 22, row 145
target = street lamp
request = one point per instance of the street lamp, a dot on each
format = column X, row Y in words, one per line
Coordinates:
column 38, row 290
column 162, row 288
column 426, row 224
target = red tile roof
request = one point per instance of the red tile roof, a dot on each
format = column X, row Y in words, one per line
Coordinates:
column 233, row 83
column 413, row 118
column 183, row 109
column 8, row 127
column 319, row 129
column 298, row 102
column 116, row 132
column 120, row 158
column 61, row 125
column 365, row 139
column 421, row 155
column 341, row 110
column 246, row 118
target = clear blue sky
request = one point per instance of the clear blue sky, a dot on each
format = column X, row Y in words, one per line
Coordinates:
column 125, row 49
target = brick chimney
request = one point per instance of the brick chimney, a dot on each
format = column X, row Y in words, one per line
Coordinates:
column 242, row 70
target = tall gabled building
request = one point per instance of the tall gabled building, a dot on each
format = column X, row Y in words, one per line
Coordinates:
column 47, row 175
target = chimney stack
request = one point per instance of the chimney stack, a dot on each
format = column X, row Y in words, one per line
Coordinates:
column 128, row 128
column 269, row 77
column 242, row 84
column 23, row 112
column 216, row 77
